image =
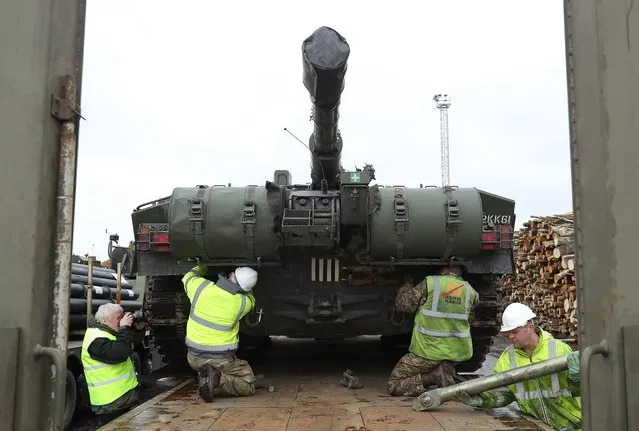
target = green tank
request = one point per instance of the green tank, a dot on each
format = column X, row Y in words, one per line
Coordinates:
column 330, row 254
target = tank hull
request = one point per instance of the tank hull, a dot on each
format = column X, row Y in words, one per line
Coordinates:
column 309, row 291
column 315, row 297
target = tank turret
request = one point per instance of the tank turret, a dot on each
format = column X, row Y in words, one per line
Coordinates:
column 325, row 55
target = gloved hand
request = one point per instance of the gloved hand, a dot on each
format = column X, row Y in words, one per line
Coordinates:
column 469, row 400
column 573, row 367
column 202, row 269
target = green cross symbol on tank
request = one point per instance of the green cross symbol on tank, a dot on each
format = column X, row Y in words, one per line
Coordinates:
column 354, row 177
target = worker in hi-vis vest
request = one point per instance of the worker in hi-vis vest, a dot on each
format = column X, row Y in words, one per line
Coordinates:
column 441, row 332
column 212, row 331
column 110, row 375
column 553, row 399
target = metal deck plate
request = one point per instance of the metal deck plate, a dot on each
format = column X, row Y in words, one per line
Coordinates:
column 310, row 402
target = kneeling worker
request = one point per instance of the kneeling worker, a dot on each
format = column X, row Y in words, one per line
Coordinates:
column 212, row 331
column 553, row 399
column 106, row 358
column 441, row 334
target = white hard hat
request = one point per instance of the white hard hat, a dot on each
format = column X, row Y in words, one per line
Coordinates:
column 515, row 315
column 246, row 277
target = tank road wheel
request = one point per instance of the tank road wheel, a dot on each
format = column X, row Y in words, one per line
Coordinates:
column 484, row 323
column 168, row 308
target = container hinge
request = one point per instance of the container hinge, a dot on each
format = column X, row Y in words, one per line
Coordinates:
column 248, row 222
column 63, row 106
column 452, row 222
column 401, row 219
column 196, row 216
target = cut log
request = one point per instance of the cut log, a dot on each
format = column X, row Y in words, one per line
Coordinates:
column 566, row 229
column 562, row 250
column 562, row 274
column 573, row 316
column 565, row 259
column 544, row 276
column 561, row 240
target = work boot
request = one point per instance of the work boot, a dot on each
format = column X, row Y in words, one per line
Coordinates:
column 429, row 380
column 440, row 377
column 262, row 383
column 209, row 379
column 446, row 374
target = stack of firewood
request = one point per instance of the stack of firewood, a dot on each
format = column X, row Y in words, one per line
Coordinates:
column 544, row 277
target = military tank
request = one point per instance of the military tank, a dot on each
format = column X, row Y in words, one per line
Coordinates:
column 332, row 253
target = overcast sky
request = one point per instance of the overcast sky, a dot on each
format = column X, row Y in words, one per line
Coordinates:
column 198, row 92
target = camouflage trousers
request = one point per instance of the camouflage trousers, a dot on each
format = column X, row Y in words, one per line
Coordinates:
column 237, row 377
column 413, row 375
column 117, row 407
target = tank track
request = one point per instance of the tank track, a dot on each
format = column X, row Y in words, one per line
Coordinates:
column 167, row 310
column 484, row 323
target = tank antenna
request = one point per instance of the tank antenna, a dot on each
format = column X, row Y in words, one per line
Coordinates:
column 324, row 182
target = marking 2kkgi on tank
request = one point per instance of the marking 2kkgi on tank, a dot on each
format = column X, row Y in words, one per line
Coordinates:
column 331, row 254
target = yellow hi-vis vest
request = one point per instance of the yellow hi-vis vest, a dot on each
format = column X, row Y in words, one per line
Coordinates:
column 106, row 382
column 548, row 398
column 214, row 320
column 441, row 331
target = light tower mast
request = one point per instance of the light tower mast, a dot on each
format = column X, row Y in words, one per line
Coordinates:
column 442, row 102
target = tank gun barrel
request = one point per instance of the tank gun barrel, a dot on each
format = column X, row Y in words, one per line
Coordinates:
column 325, row 55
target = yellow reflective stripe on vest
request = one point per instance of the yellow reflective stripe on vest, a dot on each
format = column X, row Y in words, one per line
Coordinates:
column 437, row 289
column 114, row 380
column 216, row 326
column 209, row 324
column 205, row 348
column 433, row 312
column 196, row 273
column 96, row 367
column 458, row 334
column 554, row 392
column 439, row 334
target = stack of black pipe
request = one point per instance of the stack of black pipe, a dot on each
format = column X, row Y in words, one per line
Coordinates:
column 104, row 290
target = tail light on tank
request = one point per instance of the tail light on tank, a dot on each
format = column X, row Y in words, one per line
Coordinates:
column 501, row 236
column 153, row 238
